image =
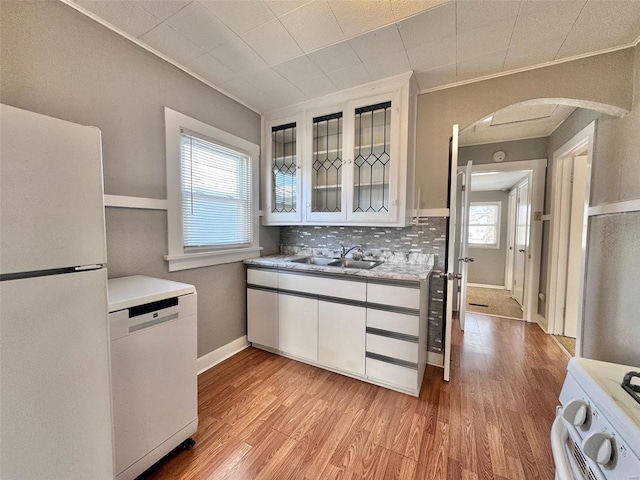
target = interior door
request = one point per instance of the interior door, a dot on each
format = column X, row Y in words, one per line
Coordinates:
column 574, row 262
column 464, row 258
column 450, row 259
column 522, row 236
column 511, row 232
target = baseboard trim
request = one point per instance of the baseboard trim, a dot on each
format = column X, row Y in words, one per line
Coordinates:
column 211, row 359
column 482, row 285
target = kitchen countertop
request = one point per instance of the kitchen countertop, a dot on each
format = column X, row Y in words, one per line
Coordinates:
column 389, row 270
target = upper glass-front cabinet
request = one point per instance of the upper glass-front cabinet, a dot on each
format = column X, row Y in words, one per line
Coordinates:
column 325, row 175
column 372, row 159
column 355, row 156
column 283, row 189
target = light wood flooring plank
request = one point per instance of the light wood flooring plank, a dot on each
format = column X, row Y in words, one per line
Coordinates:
column 262, row 416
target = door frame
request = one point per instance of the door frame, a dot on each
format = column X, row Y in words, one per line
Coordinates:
column 555, row 322
column 537, row 180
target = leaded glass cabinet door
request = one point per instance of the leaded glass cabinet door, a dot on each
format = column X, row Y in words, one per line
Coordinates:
column 373, row 166
column 325, row 173
column 283, row 186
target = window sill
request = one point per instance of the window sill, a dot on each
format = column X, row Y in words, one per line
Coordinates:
column 206, row 259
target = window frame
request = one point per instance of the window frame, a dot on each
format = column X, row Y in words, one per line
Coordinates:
column 179, row 256
column 496, row 245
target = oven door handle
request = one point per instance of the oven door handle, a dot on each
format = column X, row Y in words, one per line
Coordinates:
column 559, row 436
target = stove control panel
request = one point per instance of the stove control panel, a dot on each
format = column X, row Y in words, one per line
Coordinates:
column 604, row 449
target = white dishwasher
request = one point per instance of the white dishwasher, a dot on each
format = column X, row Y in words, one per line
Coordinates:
column 153, row 328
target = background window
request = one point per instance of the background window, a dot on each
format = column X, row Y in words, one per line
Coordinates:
column 216, row 194
column 484, row 224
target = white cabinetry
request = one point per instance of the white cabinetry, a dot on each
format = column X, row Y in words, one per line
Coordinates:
column 396, row 333
column 262, row 307
column 341, row 336
column 369, row 328
column 355, row 150
column 298, row 326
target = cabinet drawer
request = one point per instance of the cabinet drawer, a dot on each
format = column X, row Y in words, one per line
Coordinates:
column 265, row 278
column 324, row 286
column 393, row 347
column 393, row 295
column 393, row 322
column 392, row 374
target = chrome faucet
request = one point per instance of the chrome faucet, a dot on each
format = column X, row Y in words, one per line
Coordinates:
column 344, row 251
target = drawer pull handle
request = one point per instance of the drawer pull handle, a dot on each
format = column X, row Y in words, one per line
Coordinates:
column 393, row 361
column 395, row 335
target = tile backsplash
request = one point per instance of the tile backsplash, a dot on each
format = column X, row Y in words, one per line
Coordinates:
column 396, row 245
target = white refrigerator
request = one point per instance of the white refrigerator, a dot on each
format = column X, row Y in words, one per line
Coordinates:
column 55, row 400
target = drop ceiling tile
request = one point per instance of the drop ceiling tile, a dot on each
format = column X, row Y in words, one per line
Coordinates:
column 349, row 77
column 316, row 87
column 473, row 14
column 432, row 55
column 481, row 41
column 388, row 66
column 379, row 43
column 246, row 91
column 126, row 15
column 526, row 55
column 335, row 57
column 407, row 8
column 273, row 84
column 429, row 26
column 282, row 7
column 481, row 66
column 617, row 21
column 211, row 68
column 163, row 9
column 298, row 70
column 239, row 57
column 240, row 16
column 540, row 20
column 273, row 43
column 313, row 26
column 200, row 26
column 436, row 77
column 166, row 40
column 356, row 18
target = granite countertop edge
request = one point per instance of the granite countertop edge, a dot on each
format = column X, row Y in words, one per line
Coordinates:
column 396, row 271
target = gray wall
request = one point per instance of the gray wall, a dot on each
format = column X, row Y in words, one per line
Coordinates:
column 531, row 149
column 611, row 313
column 59, row 62
column 489, row 264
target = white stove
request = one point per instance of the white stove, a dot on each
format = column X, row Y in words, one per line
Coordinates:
column 596, row 435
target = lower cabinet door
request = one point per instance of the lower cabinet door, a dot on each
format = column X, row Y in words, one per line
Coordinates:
column 262, row 317
column 298, row 326
column 341, row 336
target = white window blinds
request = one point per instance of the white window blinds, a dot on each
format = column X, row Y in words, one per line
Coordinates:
column 216, row 194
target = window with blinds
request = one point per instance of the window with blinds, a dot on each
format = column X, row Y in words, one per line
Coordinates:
column 216, row 194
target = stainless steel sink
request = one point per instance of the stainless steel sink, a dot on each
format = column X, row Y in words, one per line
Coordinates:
column 349, row 263
column 339, row 262
column 322, row 261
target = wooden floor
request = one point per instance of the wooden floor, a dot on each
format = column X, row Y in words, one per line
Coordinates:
column 268, row 417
